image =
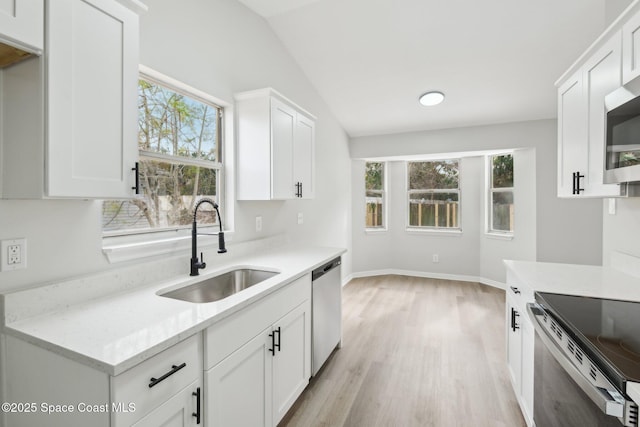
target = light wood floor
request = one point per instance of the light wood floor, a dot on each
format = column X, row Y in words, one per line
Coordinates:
column 416, row 352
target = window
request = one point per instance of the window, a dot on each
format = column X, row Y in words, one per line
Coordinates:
column 179, row 138
column 501, row 194
column 434, row 194
column 374, row 178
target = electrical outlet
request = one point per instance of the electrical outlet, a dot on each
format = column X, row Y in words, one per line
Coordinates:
column 258, row 223
column 13, row 254
column 300, row 218
column 436, row 258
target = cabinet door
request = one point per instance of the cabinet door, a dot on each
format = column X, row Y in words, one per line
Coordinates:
column 292, row 359
column 602, row 75
column 514, row 344
column 22, row 23
column 238, row 389
column 303, row 156
column 572, row 134
column 283, row 126
column 631, row 49
column 92, row 66
column 179, row 411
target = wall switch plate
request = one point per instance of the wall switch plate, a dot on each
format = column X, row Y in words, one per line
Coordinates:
column 436, row 258
column 13, row 254
column 612, row 206
column 300, row 218
column 258, row 223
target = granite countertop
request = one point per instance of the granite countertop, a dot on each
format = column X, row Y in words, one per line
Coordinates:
column 116, row 332
column 573, row 279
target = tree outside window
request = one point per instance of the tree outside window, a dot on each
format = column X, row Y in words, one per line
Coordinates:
column 179, row 138
column 434, row 194
column 501, row 208
column 375, row 195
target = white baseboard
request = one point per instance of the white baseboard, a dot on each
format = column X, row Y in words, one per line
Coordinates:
column 429, row 275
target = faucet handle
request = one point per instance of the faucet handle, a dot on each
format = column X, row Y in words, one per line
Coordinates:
column 202, row 263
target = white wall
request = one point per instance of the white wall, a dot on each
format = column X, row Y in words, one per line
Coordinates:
column 621, row 231
column 547, row 228
column 220, row 47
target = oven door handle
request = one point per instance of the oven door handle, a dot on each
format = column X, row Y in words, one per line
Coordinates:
column 608, row 403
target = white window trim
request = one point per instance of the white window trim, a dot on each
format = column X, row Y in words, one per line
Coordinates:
column 426, row 229
column 489, row 231
column 385, row 197
column 120, row 247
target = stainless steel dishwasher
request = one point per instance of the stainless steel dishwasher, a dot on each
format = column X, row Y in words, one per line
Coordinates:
column 326, row 300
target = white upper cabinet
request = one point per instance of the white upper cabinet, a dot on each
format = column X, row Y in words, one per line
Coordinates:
column 80, row 121
column 581, row 123
column 572, row 134
column 276, row 141
column 631, row 49
column 22, row 24
column 303, row 156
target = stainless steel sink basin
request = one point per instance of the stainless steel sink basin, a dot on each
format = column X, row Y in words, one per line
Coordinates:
column 219, row 287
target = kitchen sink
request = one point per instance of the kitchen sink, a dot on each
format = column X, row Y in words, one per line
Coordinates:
column 221, row 286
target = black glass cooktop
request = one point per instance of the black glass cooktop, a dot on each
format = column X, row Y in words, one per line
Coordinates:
column 607, row 330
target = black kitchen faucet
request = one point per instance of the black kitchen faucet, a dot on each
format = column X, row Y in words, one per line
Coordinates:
column 197, row 264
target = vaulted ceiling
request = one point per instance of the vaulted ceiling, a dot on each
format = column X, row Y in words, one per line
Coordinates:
column 496, row 60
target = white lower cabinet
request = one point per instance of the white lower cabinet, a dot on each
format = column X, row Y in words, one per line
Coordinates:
column 258, row 361
column 155, row 384
column 248, row 370
column 182, row 410
column 239, row 387
column 160, row 391
column 520, row 345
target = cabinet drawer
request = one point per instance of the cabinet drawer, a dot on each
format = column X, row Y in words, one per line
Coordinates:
column 231, row 333
column 135, row 385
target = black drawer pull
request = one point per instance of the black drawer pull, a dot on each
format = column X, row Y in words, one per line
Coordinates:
column 515, row 290
column 173, row 370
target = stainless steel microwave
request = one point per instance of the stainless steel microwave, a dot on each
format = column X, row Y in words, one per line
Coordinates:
column 622, row 156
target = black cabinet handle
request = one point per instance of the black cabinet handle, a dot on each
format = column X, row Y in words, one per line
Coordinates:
column 515, row 290
column 197, row 413
column 273, row 343
column 298, row 189
column 136, row 169
column 174, row 369
column 576, row 183
column 514, row 315
column 279, row 338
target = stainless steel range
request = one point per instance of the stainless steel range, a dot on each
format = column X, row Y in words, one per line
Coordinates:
column 586, row 351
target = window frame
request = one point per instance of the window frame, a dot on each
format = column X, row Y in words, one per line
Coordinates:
column 123, row 245
column 489, row 230
column 428, row 228
column 384, row 194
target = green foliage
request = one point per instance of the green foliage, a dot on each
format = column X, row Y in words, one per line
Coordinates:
column 441, row 174
column 502, row 171
column 374, row 176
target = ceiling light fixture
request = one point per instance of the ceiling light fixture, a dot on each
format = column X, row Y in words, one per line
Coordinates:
column 431, row 98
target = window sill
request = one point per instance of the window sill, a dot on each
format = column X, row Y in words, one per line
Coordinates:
column 134, row 247
column 376, row 230
column 434, row 232
column 499, row 236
